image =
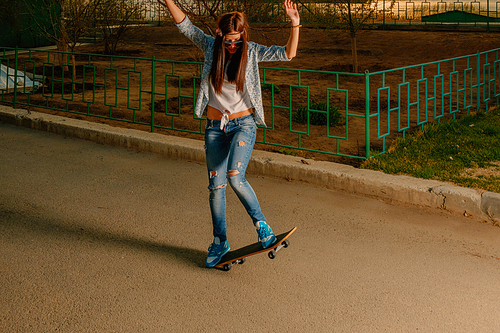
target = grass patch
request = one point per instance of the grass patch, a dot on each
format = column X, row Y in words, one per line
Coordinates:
column 304, row 115
column 465, row 152
column 285, row 151
column 270, row 87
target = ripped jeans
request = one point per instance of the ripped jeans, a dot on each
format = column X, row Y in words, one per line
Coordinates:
column 227, row 153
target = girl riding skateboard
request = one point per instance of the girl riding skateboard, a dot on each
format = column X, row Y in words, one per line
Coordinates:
column 230, row 91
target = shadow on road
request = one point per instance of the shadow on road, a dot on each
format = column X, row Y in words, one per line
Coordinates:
column 22, row 222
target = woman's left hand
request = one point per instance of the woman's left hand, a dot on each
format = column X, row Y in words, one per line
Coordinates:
column 292, row 12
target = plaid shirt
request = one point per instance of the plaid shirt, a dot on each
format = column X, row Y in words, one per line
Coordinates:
column 256, row 53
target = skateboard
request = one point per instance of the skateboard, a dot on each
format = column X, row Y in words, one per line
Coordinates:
column 239, row 256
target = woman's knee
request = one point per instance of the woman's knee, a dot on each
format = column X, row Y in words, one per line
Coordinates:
column 232, row 173
column 215, row 182
column 235, row 178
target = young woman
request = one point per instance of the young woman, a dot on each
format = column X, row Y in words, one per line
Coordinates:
column 230, row 91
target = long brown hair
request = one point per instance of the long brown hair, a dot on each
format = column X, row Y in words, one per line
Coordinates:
column 227, row 23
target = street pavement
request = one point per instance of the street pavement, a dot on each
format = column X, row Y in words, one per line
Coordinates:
column 98, row 238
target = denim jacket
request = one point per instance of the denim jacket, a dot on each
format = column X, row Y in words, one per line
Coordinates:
column 256, row 53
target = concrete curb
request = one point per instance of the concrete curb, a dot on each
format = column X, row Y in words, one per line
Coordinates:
column 403, row 189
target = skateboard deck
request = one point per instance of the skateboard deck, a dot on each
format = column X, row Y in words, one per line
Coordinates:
column 238, row 256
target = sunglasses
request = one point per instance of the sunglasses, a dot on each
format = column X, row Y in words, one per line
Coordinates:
column 236, row 42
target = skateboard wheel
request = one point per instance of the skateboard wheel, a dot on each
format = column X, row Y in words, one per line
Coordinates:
column 286, row 243
column 227, row 267
column 242, row 261
column 272, row 254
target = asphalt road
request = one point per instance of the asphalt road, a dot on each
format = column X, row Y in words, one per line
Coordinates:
column 103, row 239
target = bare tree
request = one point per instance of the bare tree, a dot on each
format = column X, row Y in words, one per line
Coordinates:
column 69, row 20
column 351, row 15
column 113, row 19
column 10, row 12
column 64, row 22
column 207, row 12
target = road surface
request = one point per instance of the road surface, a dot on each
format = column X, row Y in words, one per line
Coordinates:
column 103, row 239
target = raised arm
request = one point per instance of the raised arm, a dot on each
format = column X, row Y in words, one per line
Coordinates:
column 293, row 40
column 177, row 14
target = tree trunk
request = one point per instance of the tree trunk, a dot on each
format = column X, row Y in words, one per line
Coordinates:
column 107, row 47
column 354, row 53
column 63, row 47
column 73, row 60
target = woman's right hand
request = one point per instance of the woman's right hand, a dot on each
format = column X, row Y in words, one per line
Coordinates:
column 292, row 12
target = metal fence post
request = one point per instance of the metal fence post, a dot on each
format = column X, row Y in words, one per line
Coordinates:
column 383, row 15
column 478, row 75
column 15, row 78
column 367, row 113
column 488, row 15
column 153, row 94
column 159, row 14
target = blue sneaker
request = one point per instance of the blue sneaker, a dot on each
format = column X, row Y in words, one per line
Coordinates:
column 216, row 251
column 266, row 235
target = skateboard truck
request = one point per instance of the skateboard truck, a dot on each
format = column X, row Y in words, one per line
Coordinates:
column 272, row 254
column 228, row 266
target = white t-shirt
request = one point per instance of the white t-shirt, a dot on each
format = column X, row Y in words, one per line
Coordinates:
column 230, row 100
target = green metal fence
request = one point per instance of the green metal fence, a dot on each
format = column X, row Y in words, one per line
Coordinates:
column 343, row 114
column 407, row 98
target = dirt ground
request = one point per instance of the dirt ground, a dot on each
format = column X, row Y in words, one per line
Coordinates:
column 319, row 49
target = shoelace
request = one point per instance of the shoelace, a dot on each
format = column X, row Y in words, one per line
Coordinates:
column 262, row 233
column 214, row 248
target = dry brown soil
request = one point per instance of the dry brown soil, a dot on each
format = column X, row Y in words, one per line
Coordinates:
column 319, row 49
